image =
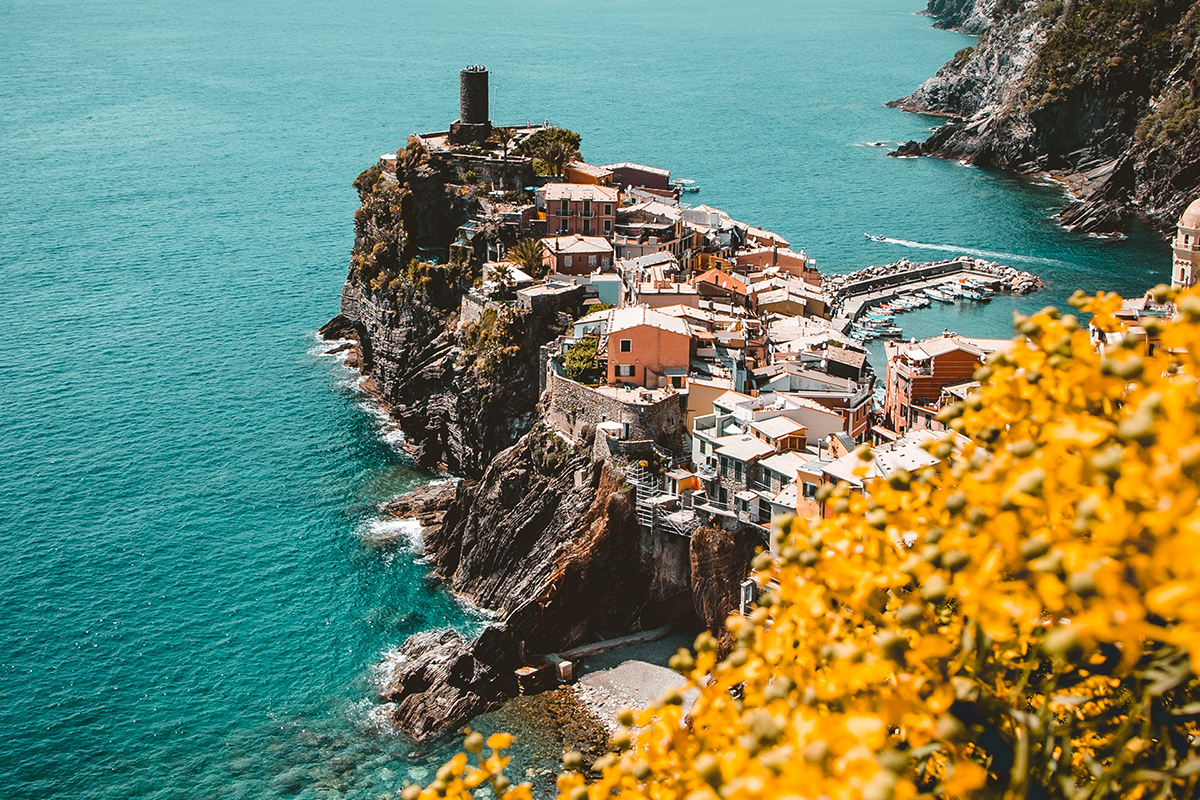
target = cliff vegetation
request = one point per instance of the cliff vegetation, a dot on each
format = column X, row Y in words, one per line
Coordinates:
column 1017, row 621
column 1099, row 93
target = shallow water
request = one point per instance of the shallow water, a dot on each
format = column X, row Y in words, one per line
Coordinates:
column 186, row 605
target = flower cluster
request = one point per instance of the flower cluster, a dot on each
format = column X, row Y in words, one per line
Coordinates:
column 1020, row 619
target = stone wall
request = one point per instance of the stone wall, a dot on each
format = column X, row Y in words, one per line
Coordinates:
column 571, row 406
column 472, row 309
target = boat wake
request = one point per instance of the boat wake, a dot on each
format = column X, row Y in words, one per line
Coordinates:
column 971, row 251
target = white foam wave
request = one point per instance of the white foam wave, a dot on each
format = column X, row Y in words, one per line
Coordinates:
column 386, row 427
column 405, row 532
column 971, row 251
column 325, row 347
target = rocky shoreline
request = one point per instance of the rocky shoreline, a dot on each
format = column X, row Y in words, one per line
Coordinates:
column 1097, row 102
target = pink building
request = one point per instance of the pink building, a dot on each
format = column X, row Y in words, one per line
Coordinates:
column 578, row 208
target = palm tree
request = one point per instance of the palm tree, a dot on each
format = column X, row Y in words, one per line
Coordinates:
column 557, row 154
column 504, row 137
column 527, row 254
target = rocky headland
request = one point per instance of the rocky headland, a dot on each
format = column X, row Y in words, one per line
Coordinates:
column 539, row 532
column 1098, row 94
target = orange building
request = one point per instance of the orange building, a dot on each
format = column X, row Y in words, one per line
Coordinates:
column 918, row 371
column 647, row 348
column 716, row 283
column 581, row 172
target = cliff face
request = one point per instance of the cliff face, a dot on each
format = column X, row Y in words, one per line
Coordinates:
column 461, row 394
column 545, row 539
column 1101, row 94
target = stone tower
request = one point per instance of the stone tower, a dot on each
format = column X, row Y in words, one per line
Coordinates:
column 473, row 124
column 1187, row 248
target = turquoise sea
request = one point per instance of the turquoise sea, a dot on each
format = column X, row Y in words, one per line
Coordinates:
column 187, row 607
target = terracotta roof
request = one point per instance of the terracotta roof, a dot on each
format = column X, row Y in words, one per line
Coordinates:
column 778, row 426
column 722, row 279
column 742, row 448
column 588, row 169
column 639, row 168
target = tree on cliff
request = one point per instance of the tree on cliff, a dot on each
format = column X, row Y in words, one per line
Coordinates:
column 554, row 147
column 580, row 361
column 556, row 155
column 537, row 141
column 1019, row 620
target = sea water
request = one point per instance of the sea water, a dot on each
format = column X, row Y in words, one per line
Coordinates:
column 188, row 606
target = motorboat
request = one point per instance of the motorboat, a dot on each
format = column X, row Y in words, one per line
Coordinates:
column 686, row 185
column 874, row 238
column 940, row 295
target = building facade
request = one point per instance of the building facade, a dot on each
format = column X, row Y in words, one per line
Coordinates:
column 1186, row 268
column 583, row 209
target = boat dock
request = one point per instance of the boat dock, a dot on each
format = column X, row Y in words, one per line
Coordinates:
column 853, row 294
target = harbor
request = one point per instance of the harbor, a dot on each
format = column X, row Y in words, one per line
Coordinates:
column 866, row 302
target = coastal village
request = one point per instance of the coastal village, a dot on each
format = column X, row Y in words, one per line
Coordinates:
column 707, row 353
column 702, row 368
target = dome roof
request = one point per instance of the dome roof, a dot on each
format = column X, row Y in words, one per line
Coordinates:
column 1191, row 217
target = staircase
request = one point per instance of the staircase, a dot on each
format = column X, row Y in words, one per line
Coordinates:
column 644, row 489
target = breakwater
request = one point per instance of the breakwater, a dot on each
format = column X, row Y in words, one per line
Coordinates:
column 853, row 293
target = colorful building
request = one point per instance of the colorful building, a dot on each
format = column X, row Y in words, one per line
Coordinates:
column 580, row 209
column 576, row 255
column 1186, row 268
column 646, row 348
column 917, row 373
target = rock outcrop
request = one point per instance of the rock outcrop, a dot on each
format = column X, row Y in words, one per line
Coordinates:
column 548, row 542
column 1099, row 94
column 968, row 16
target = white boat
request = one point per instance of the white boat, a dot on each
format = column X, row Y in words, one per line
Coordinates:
column 940, row 295
column 874, row 238
column 686, row 185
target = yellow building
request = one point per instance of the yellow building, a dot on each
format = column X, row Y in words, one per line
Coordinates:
column 1187, row 248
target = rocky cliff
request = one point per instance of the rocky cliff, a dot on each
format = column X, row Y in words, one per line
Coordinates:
column 547, row 540
column 1101, row 94
column 538, row 533
column 461, row 393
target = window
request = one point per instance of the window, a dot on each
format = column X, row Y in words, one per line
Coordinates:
column 737, row 470
column 566, row 261
column 607, row 261
column 810, row 490
column 608, row 226
column 566, row 209
column 608, row 209
column 623, row 370
column 591, row 259
column 587, row 229
column 587, row 208
column 627, row 345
